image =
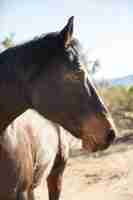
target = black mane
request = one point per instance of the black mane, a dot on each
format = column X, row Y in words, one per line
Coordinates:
column 29, row 56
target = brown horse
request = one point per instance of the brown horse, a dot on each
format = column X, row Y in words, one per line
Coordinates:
column 33, row 148
column 49, row 75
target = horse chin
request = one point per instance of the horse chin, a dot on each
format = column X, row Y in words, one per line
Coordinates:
column 103, row 147
column 91, row 148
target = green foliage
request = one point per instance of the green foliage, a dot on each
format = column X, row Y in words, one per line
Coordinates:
column 8, row 41
column 130, row 90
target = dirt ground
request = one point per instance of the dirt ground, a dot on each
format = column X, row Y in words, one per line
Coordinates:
column 100, row 176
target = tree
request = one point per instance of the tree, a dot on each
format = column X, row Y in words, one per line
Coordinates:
column 94, row 66
column 8, row 41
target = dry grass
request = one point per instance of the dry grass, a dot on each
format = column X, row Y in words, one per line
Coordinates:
column 120, row 103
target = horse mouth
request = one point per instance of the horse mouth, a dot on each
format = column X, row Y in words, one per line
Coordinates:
column 91, row 145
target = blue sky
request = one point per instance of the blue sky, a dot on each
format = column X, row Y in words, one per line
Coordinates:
column 104, row 27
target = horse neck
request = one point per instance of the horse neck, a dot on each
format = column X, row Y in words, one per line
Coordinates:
column 13, row 102
column 7, row 118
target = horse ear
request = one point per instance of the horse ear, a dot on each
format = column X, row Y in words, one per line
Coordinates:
column 66, row 33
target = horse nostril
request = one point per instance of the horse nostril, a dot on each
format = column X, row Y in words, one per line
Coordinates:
column 111, row 135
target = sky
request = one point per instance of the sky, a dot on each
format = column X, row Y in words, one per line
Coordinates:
column 104, row 27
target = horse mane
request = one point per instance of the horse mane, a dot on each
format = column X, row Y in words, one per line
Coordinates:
column 26, row 57
column 29, row 56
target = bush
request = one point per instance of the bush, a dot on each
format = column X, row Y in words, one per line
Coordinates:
column 119, row 101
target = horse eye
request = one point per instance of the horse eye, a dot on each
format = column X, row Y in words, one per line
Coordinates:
column 80, row 73
column 75, row 76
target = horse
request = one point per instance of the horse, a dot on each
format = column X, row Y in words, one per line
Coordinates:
column 32, row 148
column 49, row 74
